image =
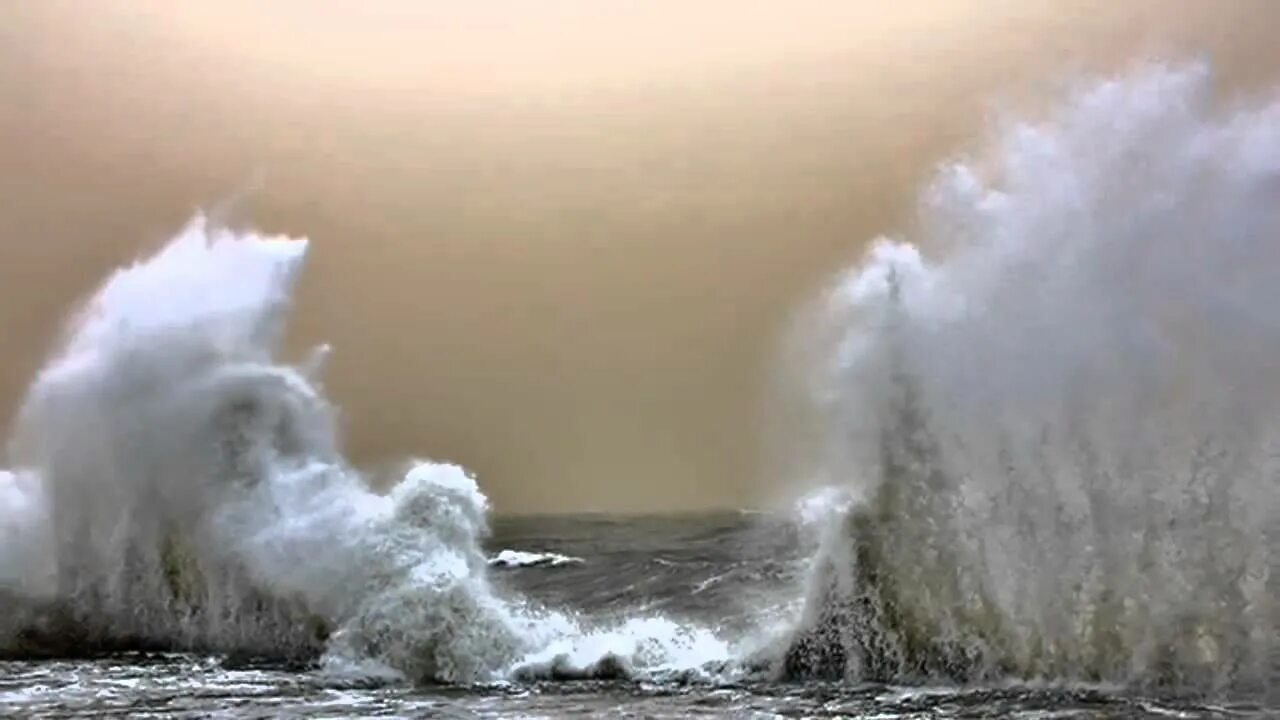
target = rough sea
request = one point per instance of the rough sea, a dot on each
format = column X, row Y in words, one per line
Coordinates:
column 714, row 570
column 1047, row 485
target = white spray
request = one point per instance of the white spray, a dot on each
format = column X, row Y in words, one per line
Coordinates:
column 1062, row 405
column 176, row 488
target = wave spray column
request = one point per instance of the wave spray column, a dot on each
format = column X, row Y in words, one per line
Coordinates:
column 176, row 488
column 1060, row 407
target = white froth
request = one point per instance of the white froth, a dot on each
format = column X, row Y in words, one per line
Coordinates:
column 1061, row 400
column 181, row 488
column 522, row 558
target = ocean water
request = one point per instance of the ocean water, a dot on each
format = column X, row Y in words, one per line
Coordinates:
column 1047, row 484
column 706, row 570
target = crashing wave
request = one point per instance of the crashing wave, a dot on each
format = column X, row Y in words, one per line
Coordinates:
column 174, row 488
column 1059, row 433
column 653, row 648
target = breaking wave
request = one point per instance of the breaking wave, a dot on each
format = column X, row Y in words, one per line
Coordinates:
column 523, row 558
column 1052, row 433
column 1053, row 420
column 174, row 487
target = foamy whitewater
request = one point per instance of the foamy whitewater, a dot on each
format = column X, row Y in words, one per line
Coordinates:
column 176, row 488
column 523, row 558
column 1054, row 416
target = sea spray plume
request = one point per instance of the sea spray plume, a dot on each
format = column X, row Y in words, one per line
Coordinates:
column 25, row 562
column 176, row 488
column 118, row 429
column 1065, row 424
column 195, row 496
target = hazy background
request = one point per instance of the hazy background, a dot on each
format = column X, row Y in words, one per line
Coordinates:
column 558, row 242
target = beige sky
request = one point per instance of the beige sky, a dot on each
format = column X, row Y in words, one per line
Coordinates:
column 556, row 241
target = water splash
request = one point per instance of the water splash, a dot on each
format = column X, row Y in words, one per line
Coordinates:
column 1061, row 408
column 176, row 488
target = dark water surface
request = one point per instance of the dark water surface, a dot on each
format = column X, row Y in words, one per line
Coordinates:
column 724, row 571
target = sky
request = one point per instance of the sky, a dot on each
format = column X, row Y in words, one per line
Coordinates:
column 559, row 242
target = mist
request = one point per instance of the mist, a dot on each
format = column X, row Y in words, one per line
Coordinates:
column 559, row 244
